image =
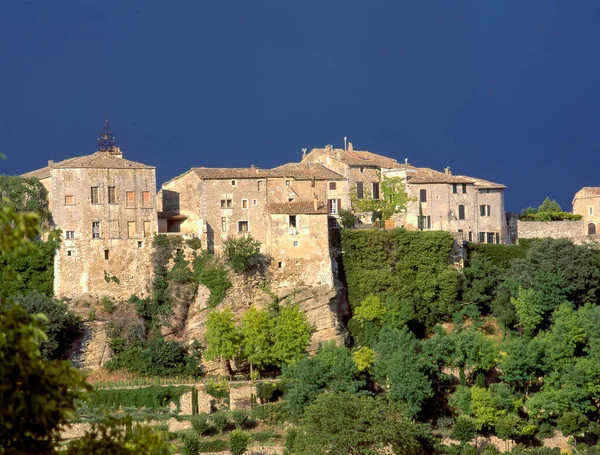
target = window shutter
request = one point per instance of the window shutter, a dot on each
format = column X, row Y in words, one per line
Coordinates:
column 339, row 207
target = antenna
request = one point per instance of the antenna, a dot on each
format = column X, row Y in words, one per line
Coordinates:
column 107, row 138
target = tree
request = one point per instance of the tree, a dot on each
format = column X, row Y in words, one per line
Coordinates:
column 529, row 308
column 393, row 198
column 257, row 337
column 464, row 429
column 342, row 424
column 238, row 442
column 241, row 252
column 27, row 195
column 523, row 361
column 482, row 278
column 549, row 206
column 222, row 337
column 291, row 334
column 347, row 218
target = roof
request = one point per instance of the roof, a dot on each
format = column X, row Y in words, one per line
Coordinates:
column 98, row 160
column 294, row 208
column 486, row 184
column 360, row 158
column 307, row 171
column 587, row 191
column 216, row 173
column 426, row 175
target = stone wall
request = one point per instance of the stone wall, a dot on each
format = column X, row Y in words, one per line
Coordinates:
column 572, row 230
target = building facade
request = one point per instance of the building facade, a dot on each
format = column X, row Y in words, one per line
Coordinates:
column 586, row 203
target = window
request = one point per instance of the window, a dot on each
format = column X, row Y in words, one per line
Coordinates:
column 280, row 264
column 225, row 203
column 428, row 224
column 254, row 202
column 464, row 188
column 70, row 253
column 293, row 221
column 491, row 236
column 295, row 242
column 360, row 193
column 423, row 196
column 112, row 195
column 425, row 222
column 461, row 212
column 244, row 203
column 243, row 226
column 94, row 195
column 375, row 190
column 591, row 229
column 224, row 224
column 332, row 185
column 259, row 184
column 233, row 183
column 362, row 169
column 484, row 210
column 140, row 243
column 130, row 198
column 454, row 188
column 96, row 229
column 106, row 255
column 147, row 228
column 313, row 183
column 70, row 234
column 290, row 199
column 131, row 229
column 333, row 206
column 470, row 236
column 145, row 197
column 590, row 210
column 287, row 183
column 481, row 237
column 69, row 200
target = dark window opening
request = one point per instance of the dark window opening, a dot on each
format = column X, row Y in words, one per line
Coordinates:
column 464, row 188
column 292, row 221
column 106, row 255
column 360, row 194
column 242, row 226
column 454, row 188
column 591, row 229
column 332, row 185
column 112, row 195
column 423, row 196
column 375, row 190
column 461, row 212
column 140, row 244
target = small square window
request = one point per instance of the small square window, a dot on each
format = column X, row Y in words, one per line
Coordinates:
column 295, row 242
column 69, row 199
column 280, row 264
column 243, row 226
column 287, row 183
column 233, row 183
column 332, row 185
column 70, row 234
column 254, row 202
column 140, row 244
column 225, row 203
column 244, row 203
column 70, row 253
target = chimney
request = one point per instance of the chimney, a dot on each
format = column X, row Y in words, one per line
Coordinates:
column 315, row 202
column 345, row 141
column 448, row 171
column 303, row 154
column 405, row 160
column 252, row 166
column 350, row 148
column 50, row 163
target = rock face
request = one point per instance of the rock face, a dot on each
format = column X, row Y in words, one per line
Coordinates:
column 93, row 351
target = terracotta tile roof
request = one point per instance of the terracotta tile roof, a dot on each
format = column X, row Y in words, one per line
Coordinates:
column 361, row 158
column 307, row 171
column 219, row 173
column 98, row 160
column 587, row 191
column 486, row 184
column 293, row 208
column 426, row 175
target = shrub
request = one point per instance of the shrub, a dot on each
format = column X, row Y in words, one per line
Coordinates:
column 217, row 282
column 191, row 445
column 263, row 436
column 153, row 397
column 220, row 421
column 347, row 219
column 238, row 442
column 194, row 243
column 241, row 252
column 550, row 216
column 239, row 417
column 200, row 423
column 107, row 304
column 217, row 389
column 181, row 272
column 265, row 391
column 216, row 445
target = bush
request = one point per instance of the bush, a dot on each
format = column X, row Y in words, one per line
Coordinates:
column 62, row 328
column 239, row 417
column 194, row 243
column 217, row 389
column 265, row 391
column 153, row 397
column 238, row 442
column 216, row 445
column 263, row 436
column 241, row 252
column 191, row 445
column 347, row 219
column 217, row 282
column 220, row 421
column 550, row 216
column 200, row 423
column 181, row 272
column 107, row 304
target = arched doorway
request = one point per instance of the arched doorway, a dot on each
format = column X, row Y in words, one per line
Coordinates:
column 591, row 229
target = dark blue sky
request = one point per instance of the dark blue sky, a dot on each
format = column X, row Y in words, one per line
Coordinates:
column 504, row 90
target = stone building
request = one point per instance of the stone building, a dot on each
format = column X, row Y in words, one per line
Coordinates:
column 105, row 207
column 586, row 203
column 471, row 207
column 283, row 208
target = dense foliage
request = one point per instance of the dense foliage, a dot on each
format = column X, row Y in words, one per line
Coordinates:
column 26, row 195
column 153, row 397
column 241, row 252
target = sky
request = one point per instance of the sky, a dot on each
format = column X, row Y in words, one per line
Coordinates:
column 508, row 91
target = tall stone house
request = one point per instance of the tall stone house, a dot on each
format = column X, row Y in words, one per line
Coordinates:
column 105, row 206
column 586, row 203
column 471, row 208
column 283, row 208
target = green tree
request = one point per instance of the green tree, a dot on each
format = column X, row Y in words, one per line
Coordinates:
column 549, row 206
column 238, row 442
column 482, row 278
column 257, row 337
column 27, row 195
column 222, row 337
column 464, row 430
column 347, row 218
column 393, row 198
column 342, row 424
column 364, row 358
column 522, row 362
column 473, row 350
column 291, row 334
column 241, row 252
column 529, row 308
